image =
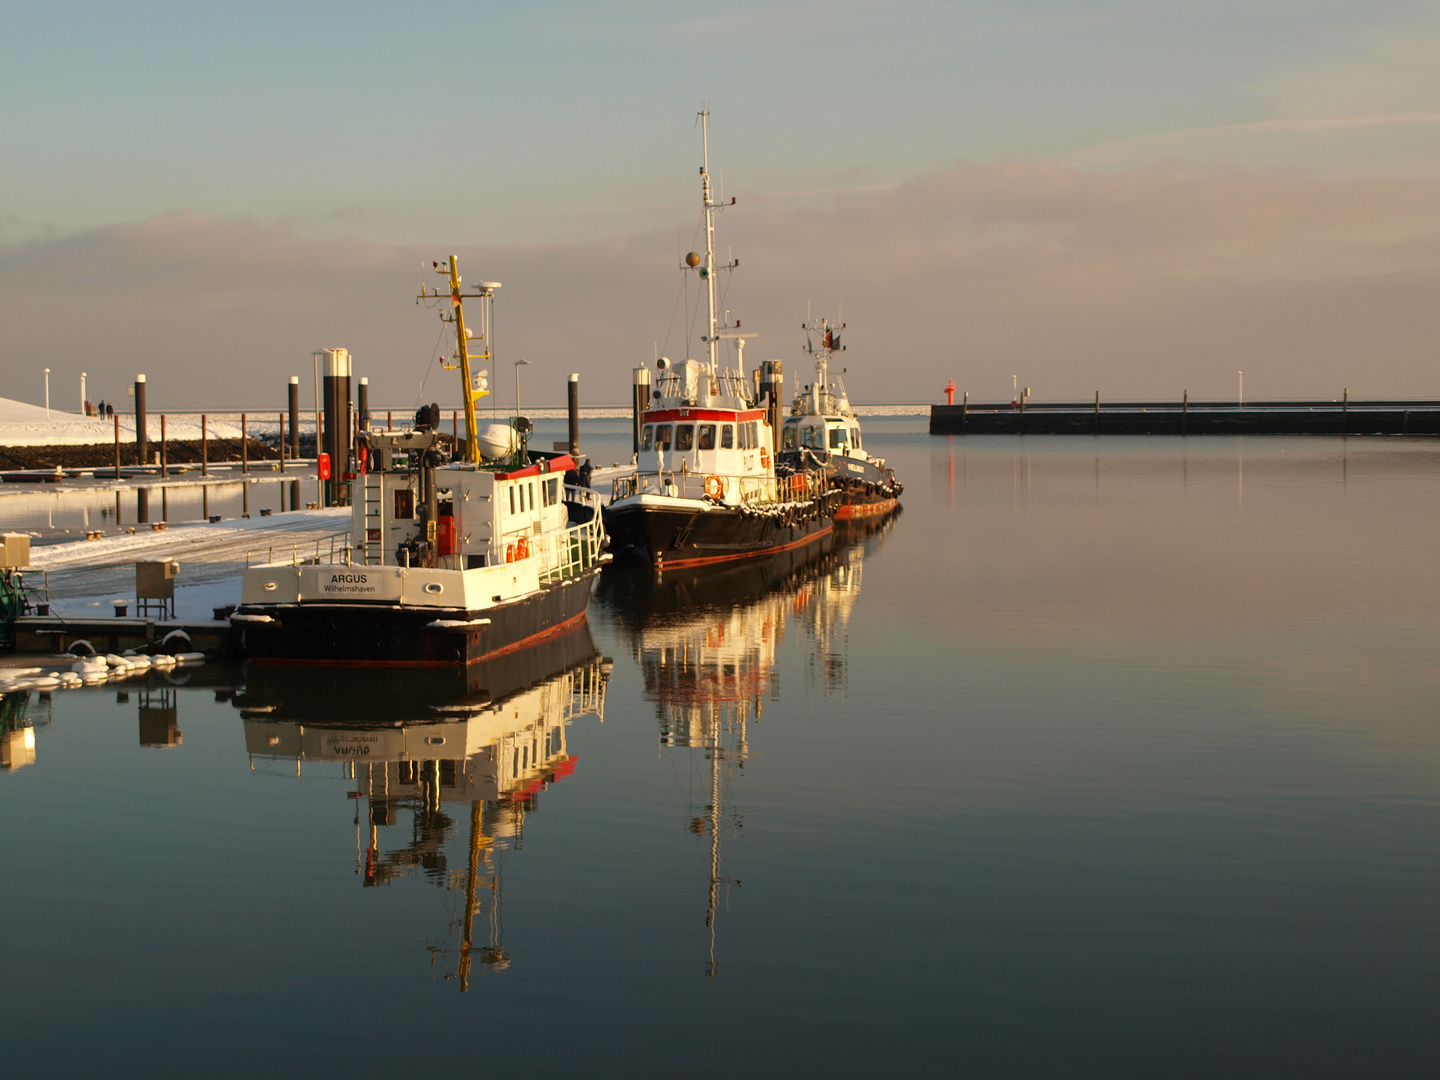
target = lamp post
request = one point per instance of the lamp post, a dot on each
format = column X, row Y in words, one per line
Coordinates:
column 518, row 365
column 47, row 393
column 83, row 411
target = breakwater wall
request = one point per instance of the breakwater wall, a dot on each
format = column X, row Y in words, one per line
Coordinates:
column 1189, row 418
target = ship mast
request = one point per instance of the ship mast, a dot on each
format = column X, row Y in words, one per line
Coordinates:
column 707, row 271
column 474, row 388
column 829, row 337
column 710, row 208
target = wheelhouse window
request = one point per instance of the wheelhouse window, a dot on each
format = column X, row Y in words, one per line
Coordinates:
column 512, row 498
column 684, row 436
column 707, row 436
column 647, row 436
column 550, row 491
column 839, row 438
column 727, row 436
column 855, row 437
column 787, row 436
column 404, row 504
column 811, row 437
column 662, row 436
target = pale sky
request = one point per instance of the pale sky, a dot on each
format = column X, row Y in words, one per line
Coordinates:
column 984, row 187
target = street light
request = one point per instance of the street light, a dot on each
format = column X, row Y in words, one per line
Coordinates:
column 518, row 364
column 47, row 393
column 83, row 411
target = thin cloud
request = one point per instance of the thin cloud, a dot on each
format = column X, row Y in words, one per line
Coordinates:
column 1134, row 283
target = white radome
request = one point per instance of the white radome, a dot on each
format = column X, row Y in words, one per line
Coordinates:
column 497, row 441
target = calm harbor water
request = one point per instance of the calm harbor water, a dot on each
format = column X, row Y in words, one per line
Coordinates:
column 1104, row 757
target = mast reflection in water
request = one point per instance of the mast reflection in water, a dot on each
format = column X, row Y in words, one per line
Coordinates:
column 706, row 644
column 430, row 742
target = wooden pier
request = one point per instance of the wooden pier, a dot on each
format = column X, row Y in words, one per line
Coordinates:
column 1185, row 417
column 106, row 634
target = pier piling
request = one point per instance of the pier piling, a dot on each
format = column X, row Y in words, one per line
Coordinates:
column 294, row 416
column 573, row 404
column 142, row 444
column 639, row 403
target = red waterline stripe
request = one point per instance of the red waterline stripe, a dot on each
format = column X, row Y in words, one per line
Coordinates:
column 574, row 620
column 760, row 553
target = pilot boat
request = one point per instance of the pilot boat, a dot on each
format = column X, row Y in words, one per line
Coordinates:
column 706, row 487
column 449, row 561
column 822, row 431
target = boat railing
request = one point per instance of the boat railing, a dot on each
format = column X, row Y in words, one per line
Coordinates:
column 729, row 384
column 731, row 490
column 561, row 553
column 322, row 551
column 569, row 552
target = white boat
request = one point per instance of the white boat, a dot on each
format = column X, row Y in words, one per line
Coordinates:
column 449, row 562
column 822, row 431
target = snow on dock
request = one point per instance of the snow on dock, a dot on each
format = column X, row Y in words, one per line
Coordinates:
column 88, row 576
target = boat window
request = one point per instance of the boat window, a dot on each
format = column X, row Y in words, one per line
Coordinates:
column 727, row 436
column 512, row 498
column 684, row 436
column 551, row 491
column 707, row 436
column 404, row 503
column 662, row 436
column 747, row 437
column 807, row 437
column 754, row 433
column 531, row 486
column 788, row 437
column 839, row 437
column 855, row 437
column 647, row 436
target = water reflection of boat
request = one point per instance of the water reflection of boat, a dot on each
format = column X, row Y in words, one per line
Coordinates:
column 706, row 645
column 491, row 735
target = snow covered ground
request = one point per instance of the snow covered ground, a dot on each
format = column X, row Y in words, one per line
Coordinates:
column 88, row 576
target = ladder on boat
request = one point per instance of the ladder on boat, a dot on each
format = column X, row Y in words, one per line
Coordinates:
column 374, row 496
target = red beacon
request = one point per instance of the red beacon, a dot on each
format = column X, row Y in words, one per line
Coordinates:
column 950, row 392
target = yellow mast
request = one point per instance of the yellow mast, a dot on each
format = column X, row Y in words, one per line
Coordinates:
column 484, row 290
column 475, row 835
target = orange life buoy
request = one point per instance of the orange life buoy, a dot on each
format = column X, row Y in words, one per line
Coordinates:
column 713, row 487
column 522, row 549
column 764, row 458
column 509, row 552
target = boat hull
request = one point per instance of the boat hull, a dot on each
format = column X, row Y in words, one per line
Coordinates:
column 864, row 488
column 859, row 509
column 679, row 536
column 331, row 695
column 390, row 634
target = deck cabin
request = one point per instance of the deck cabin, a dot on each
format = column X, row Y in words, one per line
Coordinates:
column 705, row 437
column 833, row 434
column 483, row 518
